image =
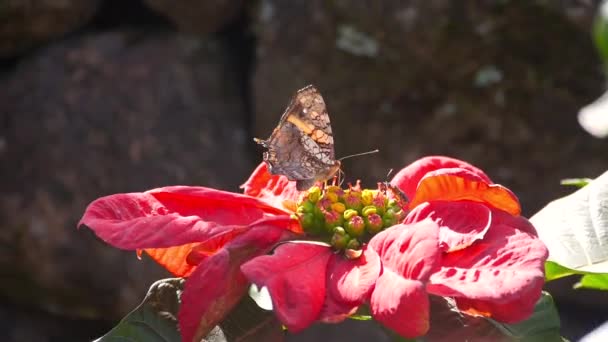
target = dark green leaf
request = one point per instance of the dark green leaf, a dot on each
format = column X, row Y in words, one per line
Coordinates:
column 447, row 324
column 154, row 320
column 248, row 322
column 543, row 325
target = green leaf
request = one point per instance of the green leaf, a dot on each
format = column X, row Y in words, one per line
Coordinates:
column 600, row 32
column 447, row 324
column 248, row 322
column 554, row 271
column 154, row 320
column 577, row 182
column 575, row 228
column 593, row 281
column 543, row 325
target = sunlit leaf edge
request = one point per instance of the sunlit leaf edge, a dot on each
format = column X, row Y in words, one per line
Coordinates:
column 577, row 182
column 554, row 270
column 146, row 322
column 593, row 281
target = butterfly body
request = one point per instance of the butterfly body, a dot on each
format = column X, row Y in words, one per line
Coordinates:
column 301, row 147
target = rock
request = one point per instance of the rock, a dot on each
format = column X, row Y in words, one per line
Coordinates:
column 17, row 325
column 196, row 16
column 498, row 84
column 25, row 24
column 108, row 113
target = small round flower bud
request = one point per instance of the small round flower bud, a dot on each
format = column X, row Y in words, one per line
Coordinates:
column 379, row 202
column 353, row 244
column 389, row 219
column 309, row 223
column 355, row 226
column 352, row 199
column 306, row 207
column 314, row 194
column 368, row 210
column 332, row 220
column 324, row 203
column 348, row 213
column 331, row 196
column 340, row 239
column 338, row 207
column 335, row 189
column 373, row 223
column 367, row 197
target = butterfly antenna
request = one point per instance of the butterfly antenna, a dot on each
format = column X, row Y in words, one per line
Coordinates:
column 389, row 174
column 360, row 154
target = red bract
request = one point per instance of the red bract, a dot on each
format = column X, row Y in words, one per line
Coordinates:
column 463, row 238
column 309, row 282
column 202, row 233
column 492, row 262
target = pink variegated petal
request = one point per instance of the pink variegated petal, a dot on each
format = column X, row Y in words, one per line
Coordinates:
column 218, row 284
column 335, row 311
column 351, row 281
column 401, row 304
column 507, row 266
column 408, row 178
column 411, row 251
column 171, row 216
column 460, row 223
column 295, row 278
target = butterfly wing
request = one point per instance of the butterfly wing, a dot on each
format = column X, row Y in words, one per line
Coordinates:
column 301, row 147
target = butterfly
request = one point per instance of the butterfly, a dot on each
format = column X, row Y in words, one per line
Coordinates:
column 301, row 147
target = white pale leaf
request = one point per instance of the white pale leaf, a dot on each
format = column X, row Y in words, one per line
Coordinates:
column 575, row 228
column 594, row 117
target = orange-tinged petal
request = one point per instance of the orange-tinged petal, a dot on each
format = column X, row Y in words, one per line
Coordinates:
column 275, row 190
column 500, row 276
column 181, row 260
column 173, row 258
column 449, row 187
column 218, row 284
column 407, row 178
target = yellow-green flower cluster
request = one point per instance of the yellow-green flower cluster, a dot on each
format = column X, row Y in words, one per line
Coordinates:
column 347, row 218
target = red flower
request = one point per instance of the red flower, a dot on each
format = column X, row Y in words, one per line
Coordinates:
column 463, row 238
column 492, row 261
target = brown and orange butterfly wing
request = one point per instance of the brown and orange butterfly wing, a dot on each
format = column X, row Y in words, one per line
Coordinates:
column 301, row 147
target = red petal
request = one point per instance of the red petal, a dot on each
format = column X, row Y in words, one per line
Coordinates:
column 295, row 278
column 401, row 305
column 351, row 281
column 458, row 185
column 335, row 311
column 273, row 189
column 181, row 260
column 500, row 276
column 407, row 179
column 512, row 310
column 217, row 284
column 171, row 216
column 411, row 251
column 460, row 223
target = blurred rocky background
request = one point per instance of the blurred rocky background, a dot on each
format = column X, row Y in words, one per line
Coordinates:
column 106, row 96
